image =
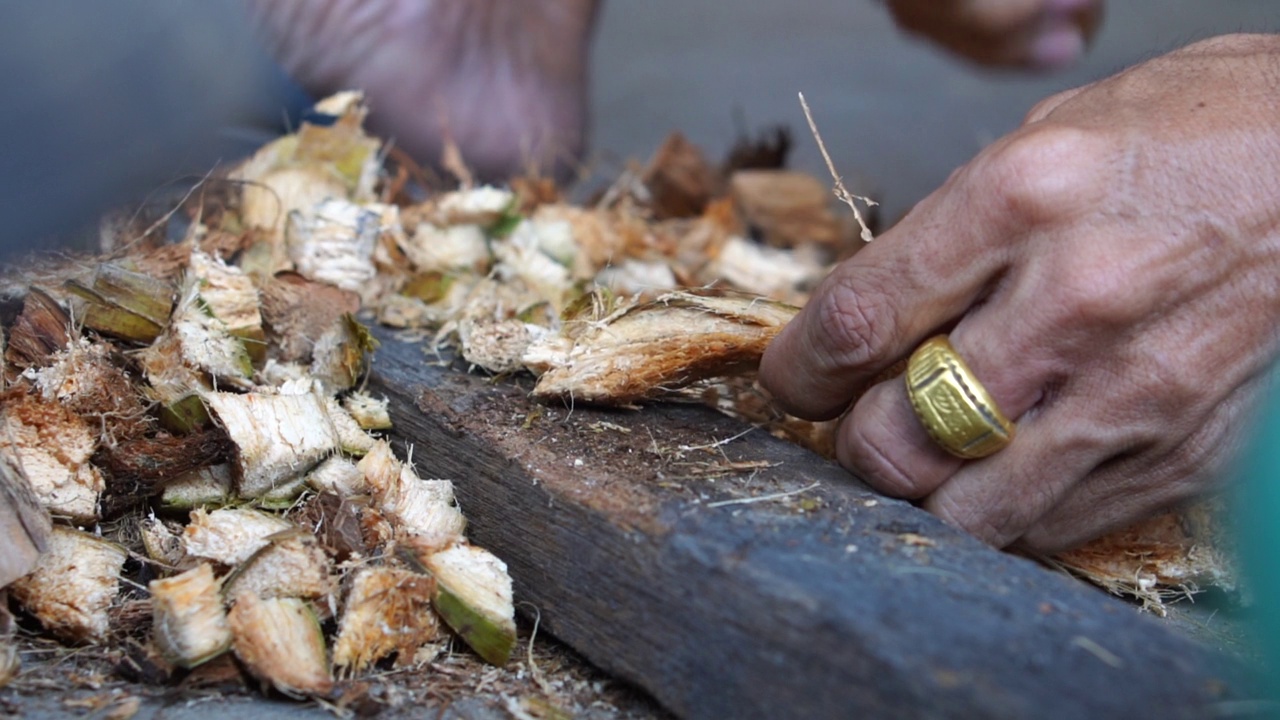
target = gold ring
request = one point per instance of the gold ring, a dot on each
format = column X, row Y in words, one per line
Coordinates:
column 952, row 405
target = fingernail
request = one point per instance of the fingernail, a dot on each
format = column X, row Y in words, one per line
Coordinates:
column 1057, row 47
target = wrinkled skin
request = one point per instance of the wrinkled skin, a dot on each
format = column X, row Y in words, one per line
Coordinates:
column 1110, row 271
column 1036, row 34
column 505, row 79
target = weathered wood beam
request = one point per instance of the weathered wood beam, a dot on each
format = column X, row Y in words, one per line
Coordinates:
column 629, row 532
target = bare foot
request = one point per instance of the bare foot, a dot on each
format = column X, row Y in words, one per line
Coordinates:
column 506, row 80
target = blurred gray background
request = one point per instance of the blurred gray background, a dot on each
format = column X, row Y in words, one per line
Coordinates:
column 894, row 112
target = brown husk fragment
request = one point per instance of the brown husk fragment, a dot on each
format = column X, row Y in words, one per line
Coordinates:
column 387, row 610
column 297, row 311
column 40, row 330
column 86, row 378
column 335, row 520
column 1173, row 554
column 142, row 467
column 680, row 179
column 622, row 355
column 51, row 446
column 789, row 209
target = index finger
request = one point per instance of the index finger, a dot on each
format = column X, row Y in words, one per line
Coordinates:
column 874, row 308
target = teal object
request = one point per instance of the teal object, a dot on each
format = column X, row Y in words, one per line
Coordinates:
column 1258, row 531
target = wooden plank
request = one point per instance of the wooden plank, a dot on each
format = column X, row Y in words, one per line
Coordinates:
column 626, row 530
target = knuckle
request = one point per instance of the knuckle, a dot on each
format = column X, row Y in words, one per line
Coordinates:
column 996, row 518
column 1041, row 110
column 1043, row 173
column 989, row 524
column 868, row 453
column 1201, row 460
column 1172, row 382
column 856, row 324
column 1094, row 294
column 1045, row 107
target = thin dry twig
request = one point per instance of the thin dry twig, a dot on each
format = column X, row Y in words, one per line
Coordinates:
column 718, row 443
column 840, row 190
column 762, row 498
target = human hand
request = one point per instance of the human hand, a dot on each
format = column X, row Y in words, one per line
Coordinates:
column 505, row 80
column 1111, row 273
column 1042, row 34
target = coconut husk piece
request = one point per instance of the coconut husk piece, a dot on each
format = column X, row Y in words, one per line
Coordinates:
column 211, row 486
column 387, row 610
column 473, row 596
column 190, row 622
column 52, row 446
column 73, row 585
column 789, row 208
column 335, row 520
column 1165, row 557
column 24, row 524
column 87, row 378
column 142, row 468
column 278, row 438
column 122, row 303
column 41, row 329
column 280, row 642
column 619, row 354
column 230, row 536
column 680, row 179
column 297, row 311
column 291, row 564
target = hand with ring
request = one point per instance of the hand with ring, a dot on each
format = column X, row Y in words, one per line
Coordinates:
column 1108, row 278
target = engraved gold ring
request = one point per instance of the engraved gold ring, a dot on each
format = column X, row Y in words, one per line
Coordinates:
column 953, row 406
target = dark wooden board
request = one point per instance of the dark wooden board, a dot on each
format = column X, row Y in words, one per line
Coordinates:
column 830, row 602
